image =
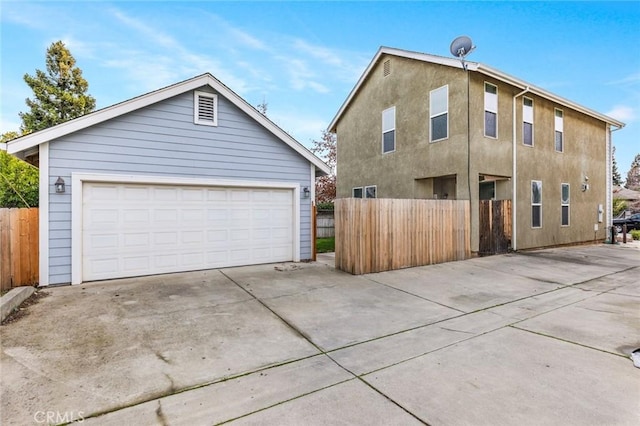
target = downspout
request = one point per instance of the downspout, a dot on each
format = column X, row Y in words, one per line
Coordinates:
column 514, row 184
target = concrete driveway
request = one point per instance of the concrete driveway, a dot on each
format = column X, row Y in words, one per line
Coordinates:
column 532, row 338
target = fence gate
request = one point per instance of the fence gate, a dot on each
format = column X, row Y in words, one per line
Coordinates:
column 495, row 227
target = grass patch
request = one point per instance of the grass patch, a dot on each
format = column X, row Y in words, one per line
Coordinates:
column 325, row 245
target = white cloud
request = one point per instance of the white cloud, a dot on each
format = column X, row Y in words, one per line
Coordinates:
column 623, row 113
column 630, row 79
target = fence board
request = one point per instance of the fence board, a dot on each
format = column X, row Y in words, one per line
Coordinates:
column 375, row 235
column 19, row 257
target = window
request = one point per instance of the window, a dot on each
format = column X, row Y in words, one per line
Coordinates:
column 356, row 192
column 527, row 121
column 490, row 110
column 370, row 191
column 439, row 113
column 559, row 125
column 536, row 204
column 389, row 130
column 564, row 201
column 205, row 107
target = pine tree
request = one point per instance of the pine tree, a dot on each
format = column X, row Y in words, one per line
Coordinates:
column 59, row 94
column 615, row 173
column 633, row 177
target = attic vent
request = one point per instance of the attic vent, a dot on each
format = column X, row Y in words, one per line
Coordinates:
column 205, row 108
column 386, row 67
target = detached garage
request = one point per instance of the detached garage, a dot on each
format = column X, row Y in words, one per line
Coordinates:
column 185, row 178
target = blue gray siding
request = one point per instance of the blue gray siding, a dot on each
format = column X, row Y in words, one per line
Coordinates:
column 162, row 140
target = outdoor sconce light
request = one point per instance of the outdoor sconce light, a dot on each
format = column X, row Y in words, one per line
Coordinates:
column 59, row 185
column 306, row 192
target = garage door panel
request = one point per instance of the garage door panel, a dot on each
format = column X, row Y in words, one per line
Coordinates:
column 131, row 230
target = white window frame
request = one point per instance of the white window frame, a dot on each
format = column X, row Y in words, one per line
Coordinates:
column 536, row 204
column 375, row 189
column 390, row 129
column 527, row 118
column 196, row 108
column 565, row 203
column 353, row 192
column 432, row 94
column 558, row 128
column 490, row 105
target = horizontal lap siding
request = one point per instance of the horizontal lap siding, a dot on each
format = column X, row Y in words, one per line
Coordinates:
column 162, row 140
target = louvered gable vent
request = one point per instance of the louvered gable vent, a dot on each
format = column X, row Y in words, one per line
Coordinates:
column 206, row 108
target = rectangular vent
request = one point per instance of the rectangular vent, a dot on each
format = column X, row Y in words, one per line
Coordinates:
column 386, row 67
column 206, row 105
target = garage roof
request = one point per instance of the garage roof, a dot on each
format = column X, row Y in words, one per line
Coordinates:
column 34, row 139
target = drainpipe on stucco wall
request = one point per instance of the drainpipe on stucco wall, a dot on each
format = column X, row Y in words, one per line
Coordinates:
column 514, row 183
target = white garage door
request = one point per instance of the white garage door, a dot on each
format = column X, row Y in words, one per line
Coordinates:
column 131, row 230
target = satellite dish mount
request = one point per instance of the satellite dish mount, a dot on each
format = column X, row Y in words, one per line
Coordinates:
column 460, row 48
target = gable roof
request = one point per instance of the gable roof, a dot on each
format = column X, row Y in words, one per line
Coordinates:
column 31, row 140
column 471, row 66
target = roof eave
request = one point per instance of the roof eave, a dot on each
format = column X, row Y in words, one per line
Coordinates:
column 25, row 142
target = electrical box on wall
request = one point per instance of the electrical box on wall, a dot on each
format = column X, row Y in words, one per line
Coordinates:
column 600, row 213
column 595, row 227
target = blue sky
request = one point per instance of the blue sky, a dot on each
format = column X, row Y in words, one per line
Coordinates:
column 303, row 58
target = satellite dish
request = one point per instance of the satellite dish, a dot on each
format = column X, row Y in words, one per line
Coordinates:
column 461, row 47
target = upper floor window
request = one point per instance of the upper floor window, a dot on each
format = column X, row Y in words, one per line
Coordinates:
column 559, row 127
column 439, row 113
column 356, row 192
column 527, row 121
column 205, row 108
column 389, row 130
column 564, row 204
column 490, row 110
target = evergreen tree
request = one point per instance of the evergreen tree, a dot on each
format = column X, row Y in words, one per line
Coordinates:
column 615, row 173
column 59, row 94
column 633, row 177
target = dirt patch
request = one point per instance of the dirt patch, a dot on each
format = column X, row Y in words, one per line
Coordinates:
column 23, row 310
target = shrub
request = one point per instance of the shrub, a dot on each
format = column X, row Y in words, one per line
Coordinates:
column 635, row 234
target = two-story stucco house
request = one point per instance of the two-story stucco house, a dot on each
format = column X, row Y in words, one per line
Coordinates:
column 184, row 178
column 421, row 126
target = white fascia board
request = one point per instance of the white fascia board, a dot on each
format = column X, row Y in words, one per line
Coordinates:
column 105, row 114
column 521, row 84
column 424, row 57
column 117, row 110
column 268, row 124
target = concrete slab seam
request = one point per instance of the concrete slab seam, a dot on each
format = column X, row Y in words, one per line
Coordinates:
column 308, row 339
column 568, row 341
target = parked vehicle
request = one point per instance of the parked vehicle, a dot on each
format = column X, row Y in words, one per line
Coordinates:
column 632, row 222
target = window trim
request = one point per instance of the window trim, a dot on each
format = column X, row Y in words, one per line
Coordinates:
column 432, row 116
column 524, row 121
column 484, row 118
column 196, row 108
column 561, row 131
column 375, row 187
column 353, row 192
column 566, row 204
column 393, row 129
column 536, row 204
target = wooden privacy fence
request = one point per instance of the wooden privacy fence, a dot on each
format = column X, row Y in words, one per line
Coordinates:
column 18, row 247
column 374, row 235
column 494, row 226
column 325, row 224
